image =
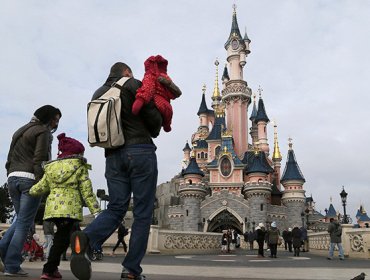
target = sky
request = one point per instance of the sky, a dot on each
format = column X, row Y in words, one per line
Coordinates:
column 310, row 57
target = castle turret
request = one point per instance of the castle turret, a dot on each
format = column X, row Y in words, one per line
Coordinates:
column 203, row 110
column 257, row 190
column 236, row 95
column 254, row 129
column 262, row 120
column 192, row 191
column 294, row 195
column 186, row 160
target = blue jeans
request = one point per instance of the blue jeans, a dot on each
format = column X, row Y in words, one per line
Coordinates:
column 340, row 248
column 26, row 207
column 132, row 169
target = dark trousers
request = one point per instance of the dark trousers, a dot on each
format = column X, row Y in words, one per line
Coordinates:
column 260, row 248
column 65, row 228
column 290, row 246
column 119, row 241
column 296, row 251
column 273, row 249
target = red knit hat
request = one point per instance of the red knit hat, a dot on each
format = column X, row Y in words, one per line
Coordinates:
column 68, row 146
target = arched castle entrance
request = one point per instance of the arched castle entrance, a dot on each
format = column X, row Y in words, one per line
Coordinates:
column 224, row 220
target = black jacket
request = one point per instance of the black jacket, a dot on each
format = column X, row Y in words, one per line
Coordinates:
column 30, row 147
column 138, row 129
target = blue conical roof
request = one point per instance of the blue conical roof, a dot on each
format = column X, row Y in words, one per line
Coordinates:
column 254, row 112
column 331, row 212
column 261, row 112
column 259, row 164
column 203, row 109
column 292, row 170
column 362, row 215
column 216, row 131
column 235, row 32
column 201, row 144
column 193, row 168
column 187, row 147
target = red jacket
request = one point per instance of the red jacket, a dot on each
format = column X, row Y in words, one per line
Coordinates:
column 153, row 90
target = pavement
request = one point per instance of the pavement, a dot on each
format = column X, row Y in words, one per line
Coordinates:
column 242, row 264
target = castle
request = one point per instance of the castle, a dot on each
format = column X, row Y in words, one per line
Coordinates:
column 230, row 178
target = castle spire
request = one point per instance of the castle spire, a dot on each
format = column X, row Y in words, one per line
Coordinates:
column 203, row 109
column 235, row 32
column 216, row 97
column 292, row 170
column 276, row 155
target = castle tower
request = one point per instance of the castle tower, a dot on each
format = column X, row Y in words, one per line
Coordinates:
column 254, row 129
column 257, row 190
column 262, row 120
column 192, row 191
column 205, row 117
column 214, row 137
column 294, row 195
column 186, row 159
column 276, row 159
column 236, row 94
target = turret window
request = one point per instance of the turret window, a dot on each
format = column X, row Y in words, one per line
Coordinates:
column 202, row 155
column 217, row 150
column 206, row 155
column 261, row 207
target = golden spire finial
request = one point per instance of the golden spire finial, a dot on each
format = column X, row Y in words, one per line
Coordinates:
column 260, row 91
column 225, row 149
column 256, row 148
column 290, row 143
column 204, row 89
column 276, row 154
column 216, row 92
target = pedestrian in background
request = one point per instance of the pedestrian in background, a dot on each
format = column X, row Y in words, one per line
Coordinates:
column 261, row 232
column 296, row 238
column 273, row 239
column 122, row 232
column 335, row 231
column 30, row 147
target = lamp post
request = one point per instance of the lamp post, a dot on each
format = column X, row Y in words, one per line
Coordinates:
column 343, row 196
column 307, row 211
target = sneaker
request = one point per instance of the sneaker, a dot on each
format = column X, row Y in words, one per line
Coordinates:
column 47, row 276
column 80, row 263
column 2, row 268
column 329, row 258
column 57, row 274
column 19, row 273
column 128, row 275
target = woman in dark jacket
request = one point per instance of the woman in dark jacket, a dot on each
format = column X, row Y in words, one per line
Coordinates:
column 260, row 232
column 273, row 239
column 297, row 236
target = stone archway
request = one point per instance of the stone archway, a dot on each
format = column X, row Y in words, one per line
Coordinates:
column 224, row 220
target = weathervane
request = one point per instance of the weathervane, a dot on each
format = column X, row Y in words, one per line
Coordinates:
column 260, row 90
column 234, row 7
column 204, row 88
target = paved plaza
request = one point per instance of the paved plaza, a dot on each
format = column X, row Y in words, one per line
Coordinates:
column 241, row 265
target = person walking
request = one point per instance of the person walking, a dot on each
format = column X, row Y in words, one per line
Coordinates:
column 48, row 228
column 297, row 240
column 335, row 231
column 284, row 235
column 122, row 232
column 251, row 239
column 289, row 239
column 30, row 147
column 131, row 170
column 260, row 232
column 304, row 239
column 66, row 181
column 273, row 239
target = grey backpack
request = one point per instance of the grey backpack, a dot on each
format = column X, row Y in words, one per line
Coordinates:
column 104, row 118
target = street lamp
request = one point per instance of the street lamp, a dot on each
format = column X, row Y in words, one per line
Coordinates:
column 307, row 211
column 343, row 196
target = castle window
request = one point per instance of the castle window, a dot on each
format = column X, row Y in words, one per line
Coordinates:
column 190, row 182
column 217, row 150
column 225, row 167
column 261, row 207
column 198, row 155
column 187, row 212
column 202, row 155
column 206, row 155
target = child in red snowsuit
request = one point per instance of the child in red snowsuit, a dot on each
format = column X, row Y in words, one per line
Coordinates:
column 157, row 87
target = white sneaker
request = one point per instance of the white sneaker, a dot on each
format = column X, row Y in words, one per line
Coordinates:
column 19, row 273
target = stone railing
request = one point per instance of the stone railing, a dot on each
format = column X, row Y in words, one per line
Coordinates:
column 355, row 241
column 164, row 241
